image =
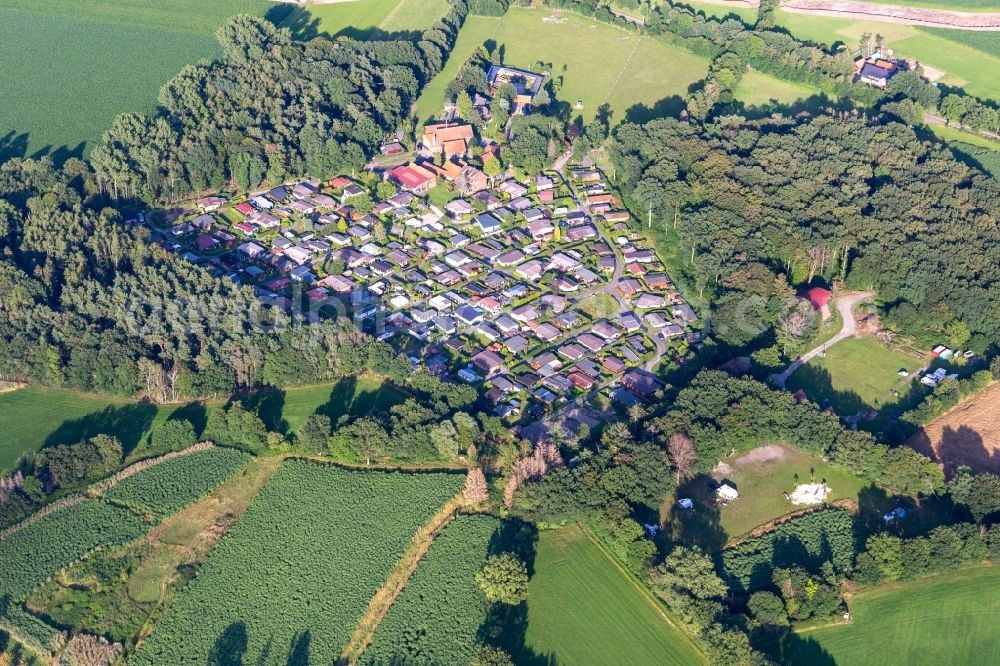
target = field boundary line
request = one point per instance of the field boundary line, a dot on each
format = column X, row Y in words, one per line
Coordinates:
column 644, row 592
column 397, row 579
column 628, row 61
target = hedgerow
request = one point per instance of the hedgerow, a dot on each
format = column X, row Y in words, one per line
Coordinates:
column 296, row 573
column 171, row 485
column 42, row 549
column 437, row 617
column 807, row 541
column 26, row 627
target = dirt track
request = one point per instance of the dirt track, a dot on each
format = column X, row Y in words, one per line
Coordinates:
column 938, row 18
column 855, row 9
column 967, row 435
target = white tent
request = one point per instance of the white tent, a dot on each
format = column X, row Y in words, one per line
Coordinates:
column 726, row 492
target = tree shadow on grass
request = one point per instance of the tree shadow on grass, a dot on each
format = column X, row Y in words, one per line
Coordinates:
column 784, row 646
column 817, row 383
column 700, row 525
column 126, row 422
column 193, row 412
column 668, row 107
column 14, row 144
column 269, row 405
column 341, row 400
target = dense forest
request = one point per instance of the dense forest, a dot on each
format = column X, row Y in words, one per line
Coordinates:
column 269, row 108
column 759, row 205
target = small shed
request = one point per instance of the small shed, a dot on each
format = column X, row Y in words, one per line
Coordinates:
column 685, row 503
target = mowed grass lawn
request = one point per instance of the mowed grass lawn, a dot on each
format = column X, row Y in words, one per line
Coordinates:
column 592, row 63
column 946, row 619
column 762, row 481
column 759, row 89
column 856, row 374
column 965, row 65
column 363, row 18
column 582, row 609
column 68, row 67
column 34, row 417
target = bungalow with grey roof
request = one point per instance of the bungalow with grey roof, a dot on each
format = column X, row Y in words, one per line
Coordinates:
column 489, row 225
column 591, row 342
column 488, row 362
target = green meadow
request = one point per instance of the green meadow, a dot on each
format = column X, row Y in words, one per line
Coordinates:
column 945, row 619
column 33, row 417
column 583, row 609
column 363, row 19
column 68, row 67
column 591, row 64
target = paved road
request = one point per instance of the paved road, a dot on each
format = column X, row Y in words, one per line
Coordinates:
column 845, row 306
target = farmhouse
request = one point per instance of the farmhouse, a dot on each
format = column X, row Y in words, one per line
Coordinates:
column 874, row 71
column 526, row 84
column 451, row 139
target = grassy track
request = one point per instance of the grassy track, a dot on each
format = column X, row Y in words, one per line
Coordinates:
column 68, row 67
column 945, row 619
column 605, row 620
column 855, row 374
column 475, row 31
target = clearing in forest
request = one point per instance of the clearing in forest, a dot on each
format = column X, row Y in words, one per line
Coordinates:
column 762, row 477
column 584, row 609
column 290, row 580
column 944, row 619
column 363, row 19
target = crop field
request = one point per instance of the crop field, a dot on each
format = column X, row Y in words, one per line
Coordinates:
column 592, row 62
column 856, row 374
column 293, row 576
column 967, row 62
column 945, row 619
column 608, row 620
column 981, row 40
column 807, row 541
column 363, row 19
column 442, row 598
column 68, row 67
column 172, row 484
column 46, row 546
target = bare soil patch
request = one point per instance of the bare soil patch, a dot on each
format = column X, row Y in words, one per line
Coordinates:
column 763, row 454
column 969, row 435
column 939, row 18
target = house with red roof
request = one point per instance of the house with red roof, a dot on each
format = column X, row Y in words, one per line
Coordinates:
column 452, row 139
column 413, row 178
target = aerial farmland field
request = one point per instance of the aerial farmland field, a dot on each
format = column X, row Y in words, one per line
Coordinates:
column 68, row 67
column 296, row 573
column 363, row 19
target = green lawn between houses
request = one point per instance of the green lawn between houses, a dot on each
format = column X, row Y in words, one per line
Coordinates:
column 592, row 62
column 68, row 67
column 583, row 609
column 945, row 619
column 34, row 417
column 856, row 374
